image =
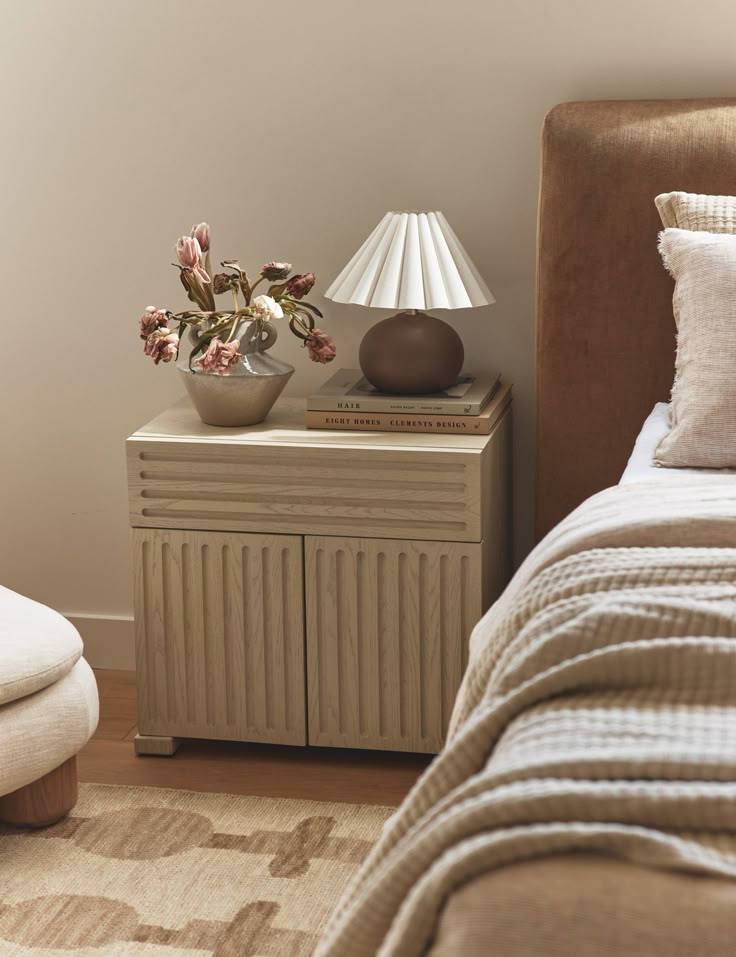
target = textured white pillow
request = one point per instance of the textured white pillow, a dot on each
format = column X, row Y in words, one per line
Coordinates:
column 697, row 211
column 703, row 406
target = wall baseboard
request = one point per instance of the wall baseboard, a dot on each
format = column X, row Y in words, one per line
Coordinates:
column 109, row 641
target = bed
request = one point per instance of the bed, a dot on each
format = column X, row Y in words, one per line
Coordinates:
column 585, row 801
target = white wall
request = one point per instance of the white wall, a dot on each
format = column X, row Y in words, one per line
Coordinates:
column 292, row 127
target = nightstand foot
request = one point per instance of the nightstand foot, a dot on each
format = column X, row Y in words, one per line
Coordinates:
column 157, row 744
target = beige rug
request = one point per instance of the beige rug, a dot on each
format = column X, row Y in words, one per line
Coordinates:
column 148, row 872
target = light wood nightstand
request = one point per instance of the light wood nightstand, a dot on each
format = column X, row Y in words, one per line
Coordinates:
column 310, row 587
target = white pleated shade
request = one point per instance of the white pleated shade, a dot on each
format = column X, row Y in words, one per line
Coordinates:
column 411, row 261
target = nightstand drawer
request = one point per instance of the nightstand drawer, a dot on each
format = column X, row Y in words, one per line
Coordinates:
column 388, row 624
column 220, row 636
column 318, row 490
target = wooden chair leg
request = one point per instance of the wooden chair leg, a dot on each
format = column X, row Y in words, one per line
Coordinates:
column 44, row 801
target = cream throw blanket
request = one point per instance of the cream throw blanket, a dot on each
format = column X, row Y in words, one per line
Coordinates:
column 598, row 712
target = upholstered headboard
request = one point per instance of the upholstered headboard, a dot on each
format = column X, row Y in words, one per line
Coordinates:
column 605, row 333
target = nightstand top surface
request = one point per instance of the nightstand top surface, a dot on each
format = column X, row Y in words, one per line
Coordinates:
column 285, row 426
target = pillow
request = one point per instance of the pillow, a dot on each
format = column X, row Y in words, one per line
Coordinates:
column 703, row 404
column 697, row 212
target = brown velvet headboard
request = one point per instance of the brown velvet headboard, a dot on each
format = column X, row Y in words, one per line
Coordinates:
column 605, row 333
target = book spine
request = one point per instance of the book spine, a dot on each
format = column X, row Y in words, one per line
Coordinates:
column 342, row 406
column 384, row 422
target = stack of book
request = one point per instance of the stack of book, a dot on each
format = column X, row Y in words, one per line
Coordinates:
column 348, row 401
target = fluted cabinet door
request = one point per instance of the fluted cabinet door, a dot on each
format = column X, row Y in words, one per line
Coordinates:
column 220, row 635
column 388, row 624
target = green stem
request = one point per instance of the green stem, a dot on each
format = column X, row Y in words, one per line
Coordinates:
column 302, row 304
column 194, row 317
column 232, row 330
column 301, row 323
column 253, row 287
column 306, row 332
column 194, row 288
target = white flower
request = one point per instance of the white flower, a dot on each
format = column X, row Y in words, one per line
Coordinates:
column 267, row 308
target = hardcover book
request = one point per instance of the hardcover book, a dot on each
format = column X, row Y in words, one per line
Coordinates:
column 480, row 424
column 349, row 391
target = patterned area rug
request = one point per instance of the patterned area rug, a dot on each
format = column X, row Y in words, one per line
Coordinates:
column 148, row 872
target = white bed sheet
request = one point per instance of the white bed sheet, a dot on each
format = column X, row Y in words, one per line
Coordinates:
column 640, row 467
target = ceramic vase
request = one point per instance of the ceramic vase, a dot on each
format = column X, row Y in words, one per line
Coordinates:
column 246, row 394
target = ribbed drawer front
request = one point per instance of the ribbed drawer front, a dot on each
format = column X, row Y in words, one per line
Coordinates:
column 388, row 624
column 220, row 635
column 424, row 495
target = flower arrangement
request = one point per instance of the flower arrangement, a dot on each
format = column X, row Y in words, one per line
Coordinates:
column 215, row 349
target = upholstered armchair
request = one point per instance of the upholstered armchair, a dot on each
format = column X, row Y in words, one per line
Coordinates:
column 48, row 711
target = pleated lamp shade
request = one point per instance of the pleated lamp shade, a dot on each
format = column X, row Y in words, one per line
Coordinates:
column 411, row 261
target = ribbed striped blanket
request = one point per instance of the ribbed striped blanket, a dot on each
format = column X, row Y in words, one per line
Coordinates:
column 598, row 712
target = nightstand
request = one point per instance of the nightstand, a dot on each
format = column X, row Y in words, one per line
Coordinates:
column 310, row 587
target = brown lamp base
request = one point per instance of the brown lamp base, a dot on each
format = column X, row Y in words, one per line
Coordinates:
column 411, row 354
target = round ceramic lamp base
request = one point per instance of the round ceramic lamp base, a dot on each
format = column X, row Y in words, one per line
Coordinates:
column 410, row 354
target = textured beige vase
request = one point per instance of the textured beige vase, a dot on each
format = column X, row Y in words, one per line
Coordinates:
column 245, row 395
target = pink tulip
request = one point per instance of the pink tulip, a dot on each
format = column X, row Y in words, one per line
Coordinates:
column 162, row 346
column 151, row 320
column 222, row 282
column 202, row 234
column 274, row 271
column 220, row 356
column 189, row 254
column 299, row 286
column 320, row 347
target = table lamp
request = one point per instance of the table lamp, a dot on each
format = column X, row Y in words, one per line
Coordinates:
column 412, row 262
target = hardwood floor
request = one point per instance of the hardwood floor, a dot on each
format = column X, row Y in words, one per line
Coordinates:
column 320, row 774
